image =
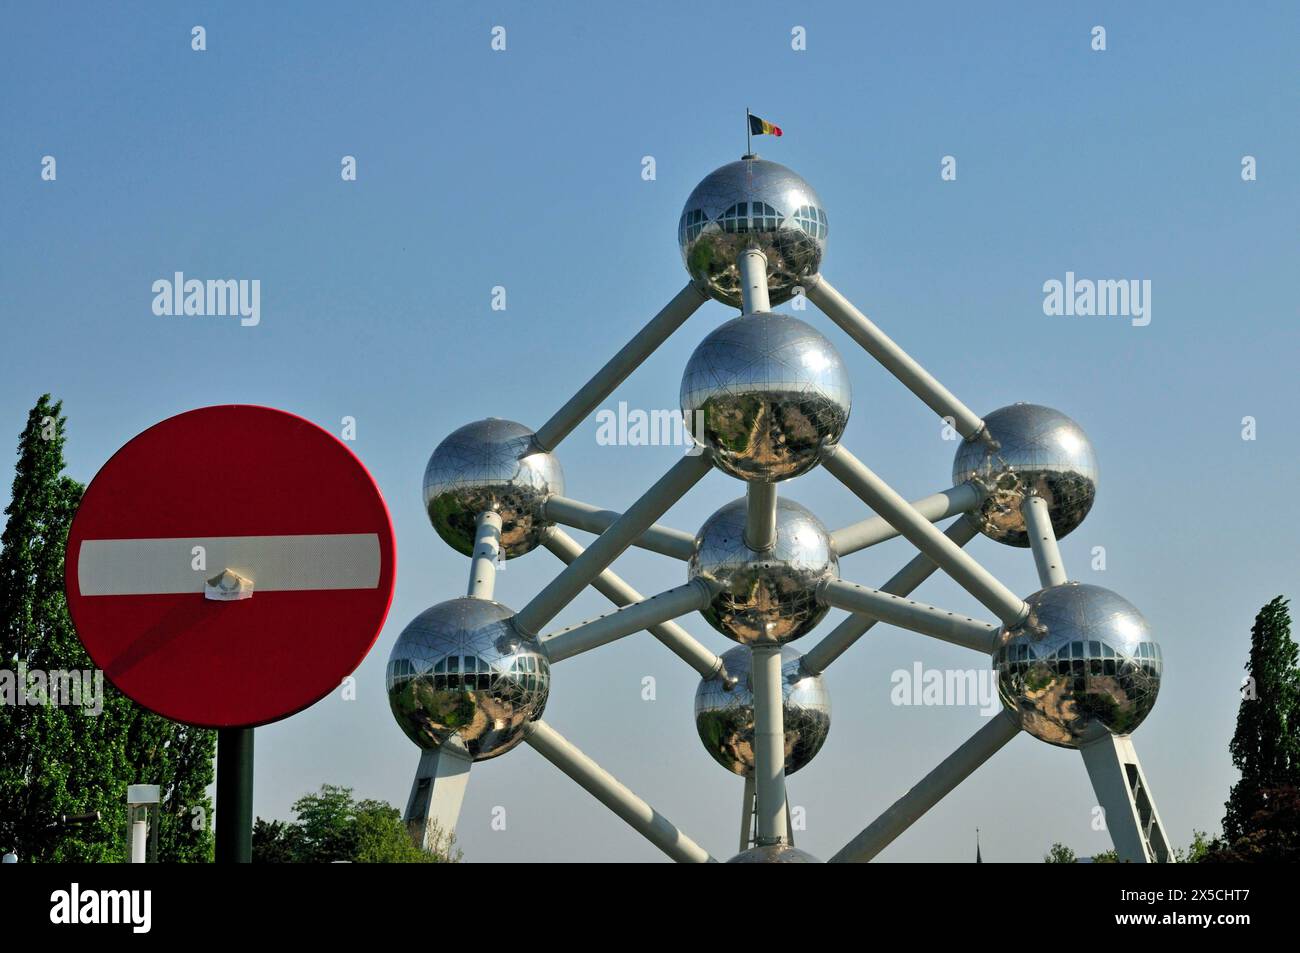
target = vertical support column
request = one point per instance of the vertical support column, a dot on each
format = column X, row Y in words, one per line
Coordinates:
column 234, row 796
column 747, row 815
column 769, row 744
column 760, row 516
column 1122, row 792
column 1042, row 540
column 752, row 265
column 437, row 793
column 487, row 550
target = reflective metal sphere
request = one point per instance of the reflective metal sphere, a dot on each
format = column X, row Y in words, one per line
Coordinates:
column 752, row 203
column 725, row 719
column 461, row 675
column 1081, row 665
column 1038, row 450
column 767, row 395
column 493, row 465
column 774, row 854
column 768, row 596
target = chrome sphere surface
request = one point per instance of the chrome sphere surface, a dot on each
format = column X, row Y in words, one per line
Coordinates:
column 774, row 854
column 492, row 465
column 461, row 675
column 1083, row 664
column 767, row 396
column 1036, row 450
column 752, row 203
column 725, row 719
column 768, row 596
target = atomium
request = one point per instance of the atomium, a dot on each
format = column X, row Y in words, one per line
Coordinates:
column 1082, row 665
column 1033, row 450
column 724, row 717
column 758, row 204
column 767, row 395
column 767, row 399
column 493, row 466
column 768, row 596
column 461, row 676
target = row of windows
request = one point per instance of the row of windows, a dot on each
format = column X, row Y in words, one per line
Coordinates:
column 1114, row 667
column 1093, row 649
column 469, row 672
column 746, row 217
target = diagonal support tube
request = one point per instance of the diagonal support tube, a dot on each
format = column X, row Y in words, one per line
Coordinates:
column 607, row 547
column 566, row 643
column 592, row 519
column 629, row 358
column 893, row 358
column 922, row 534
column 917, row 571
column 613, row 588
column 1042, row 540
column 906, row 614
column 869, row 532
column 930, row 790
column 606, row 789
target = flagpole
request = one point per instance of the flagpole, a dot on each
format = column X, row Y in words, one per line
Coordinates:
column 749, row 144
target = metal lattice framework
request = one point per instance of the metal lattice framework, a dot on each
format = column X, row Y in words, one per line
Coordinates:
column 767, row 398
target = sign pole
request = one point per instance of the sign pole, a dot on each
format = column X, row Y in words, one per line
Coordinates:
column 234, row 795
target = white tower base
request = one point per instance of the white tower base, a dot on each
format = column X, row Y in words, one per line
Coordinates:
column 436, row 796
column 1122, row 791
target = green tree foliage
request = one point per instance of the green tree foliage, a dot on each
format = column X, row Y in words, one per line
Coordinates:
column 331, row 826
column 61, row 759
column 1266, row 745
column 1272, row 833
column 1059, row 854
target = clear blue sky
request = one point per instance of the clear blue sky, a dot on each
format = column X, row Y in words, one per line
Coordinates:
column 522, row 169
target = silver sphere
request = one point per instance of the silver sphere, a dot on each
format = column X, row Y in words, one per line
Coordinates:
column 774, row 854
column 767, row 395
column 768, row 596
column 461, row 675
column 492, row 465
column 1083, row 664
column 1036, row 450
column 752, row 203
column 725, row 719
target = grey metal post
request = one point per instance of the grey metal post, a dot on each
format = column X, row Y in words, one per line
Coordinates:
column 769, row 744
column 893, row 358
column 1124, row 795
column 607, row 547
column 752, row 265
column 433, row 807
column 760, row 516
column 939, row 506
column 1042, row 540
column 628, row 359
column 487, row 550
column 601, row 785
column 931, row 789
column 593, row 519
column 922, row 534
column 613, row 588
column 919, row 569
column 566, row 643
column 907, row 614
column 747, row 814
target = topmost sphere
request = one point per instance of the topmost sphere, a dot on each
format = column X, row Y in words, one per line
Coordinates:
column 752, row 203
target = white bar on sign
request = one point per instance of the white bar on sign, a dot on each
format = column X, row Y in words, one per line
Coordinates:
column 132, row 567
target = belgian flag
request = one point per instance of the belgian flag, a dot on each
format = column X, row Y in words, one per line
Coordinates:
column 761, row 127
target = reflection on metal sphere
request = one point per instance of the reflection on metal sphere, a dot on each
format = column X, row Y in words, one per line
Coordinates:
column 767, row 395
column 1038, row 450
column 461, row 675
column 1081, row 665
column 752, row 203
column 768, row 596
column 493, row 465
column 725, row 719
column 774, row 854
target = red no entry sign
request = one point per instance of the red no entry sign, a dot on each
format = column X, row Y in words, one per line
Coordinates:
column 230, row 566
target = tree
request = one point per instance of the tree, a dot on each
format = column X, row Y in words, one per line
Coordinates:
column 1266, row 745
column 331, row 826
column 57, row 758
column 1059, row 854
column 1272, row 832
